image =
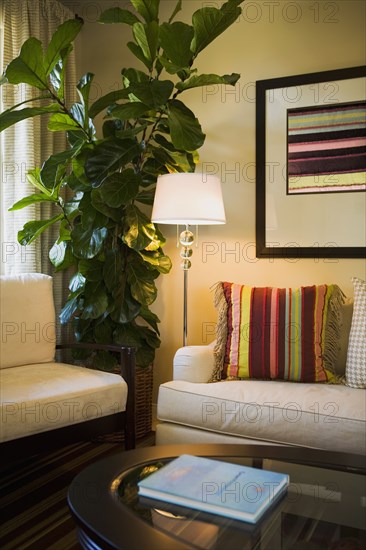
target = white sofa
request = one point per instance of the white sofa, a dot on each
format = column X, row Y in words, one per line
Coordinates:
column 323, row 416
column 40, row 396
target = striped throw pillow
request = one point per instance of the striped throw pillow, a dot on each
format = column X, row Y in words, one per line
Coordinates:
column 277, row 333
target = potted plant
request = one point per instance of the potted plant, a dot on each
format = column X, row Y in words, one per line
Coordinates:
column 102, row 186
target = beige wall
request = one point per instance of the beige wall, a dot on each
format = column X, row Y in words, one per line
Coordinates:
column 272, row 38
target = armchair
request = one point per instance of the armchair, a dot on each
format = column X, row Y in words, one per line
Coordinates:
column 45, row 403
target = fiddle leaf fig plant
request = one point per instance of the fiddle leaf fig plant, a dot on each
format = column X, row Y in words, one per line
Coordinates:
column 102, row 186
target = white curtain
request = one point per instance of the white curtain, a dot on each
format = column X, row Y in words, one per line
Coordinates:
column 28, row 144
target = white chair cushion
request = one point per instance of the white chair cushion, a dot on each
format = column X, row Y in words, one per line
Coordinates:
column 44, row 396
column 27, row 316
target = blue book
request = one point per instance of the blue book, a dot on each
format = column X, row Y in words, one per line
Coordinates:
column 230, row 490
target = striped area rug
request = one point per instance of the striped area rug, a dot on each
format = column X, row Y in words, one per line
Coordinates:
column 34, row 511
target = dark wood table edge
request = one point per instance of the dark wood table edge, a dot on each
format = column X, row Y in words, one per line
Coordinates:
column 92, row 494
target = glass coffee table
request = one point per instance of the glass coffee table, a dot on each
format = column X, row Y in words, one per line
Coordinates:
column 325, row 506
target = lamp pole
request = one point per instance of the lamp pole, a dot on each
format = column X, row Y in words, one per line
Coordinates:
column 186, row 239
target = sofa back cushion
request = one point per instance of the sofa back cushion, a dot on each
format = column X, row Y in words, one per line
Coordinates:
column 278, row 333
column 27, row 317
column 356, row 354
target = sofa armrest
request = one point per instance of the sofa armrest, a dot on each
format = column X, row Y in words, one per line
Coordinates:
column 194, row 363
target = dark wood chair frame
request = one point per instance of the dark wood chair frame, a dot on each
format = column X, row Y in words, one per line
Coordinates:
column 89, row 429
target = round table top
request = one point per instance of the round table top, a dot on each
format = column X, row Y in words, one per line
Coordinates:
column 106, row 522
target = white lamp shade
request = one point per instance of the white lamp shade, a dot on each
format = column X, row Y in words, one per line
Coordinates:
column 188, row 198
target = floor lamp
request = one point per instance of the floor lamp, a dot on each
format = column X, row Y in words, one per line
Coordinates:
column 188, row 199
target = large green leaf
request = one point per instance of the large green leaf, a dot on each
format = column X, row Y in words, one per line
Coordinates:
column 119, row 188
column 78, row 167
column 128, row 334
column 118, row 15
column 31, row 199
column 172, row 68
column 108, row 156
column 113, row 269
column 57, row 75
column 75, row 184
column 83, row 87
column 141, row 281
column 65, row 231
column 90, row 217
column 149, row 336
column 137, row 52
column 34, row 178
column 87, row 242
column 125, row 307
column 77, row 282
column 131, row 76
column 103, row 330
column 61, row 255
column 149, row 9
column 53, row 169
column 147, row 37
column 154, row 167
column 209, row 23
column 69, row 308
column 95, row 301
column 134, row 110
column 158, row 260
column 62, row 122
column 146, row 197
column 145, row 356
column 207, row 80
column 161, row 156
column 80, row 114
column 144, row 340
column 92, row 270
column 185, row 130
column 105, row 361
column 32, row 230
column 107, row 100
column 177, row 51
column 28, row 67
column 62, row 38
column 181, row 160
column 10, row 117
column 155, row 93
column 140, row 231
column 77, row 113
column 99, row 204
column 71, row 207
column 150, row 318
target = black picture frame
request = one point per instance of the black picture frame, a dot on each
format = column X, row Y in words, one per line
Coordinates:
column 264, row 87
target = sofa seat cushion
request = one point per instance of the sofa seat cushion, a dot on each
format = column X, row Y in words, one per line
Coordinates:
column 44, row 396
column 329, row 417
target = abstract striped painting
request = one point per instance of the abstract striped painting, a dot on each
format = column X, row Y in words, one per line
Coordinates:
column 326, row 148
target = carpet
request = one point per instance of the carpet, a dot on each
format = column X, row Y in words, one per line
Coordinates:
column 33, row 506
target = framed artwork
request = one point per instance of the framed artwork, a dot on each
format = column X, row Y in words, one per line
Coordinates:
column 311, row 165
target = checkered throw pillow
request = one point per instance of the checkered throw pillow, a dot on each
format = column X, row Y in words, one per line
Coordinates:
column 356, row 355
